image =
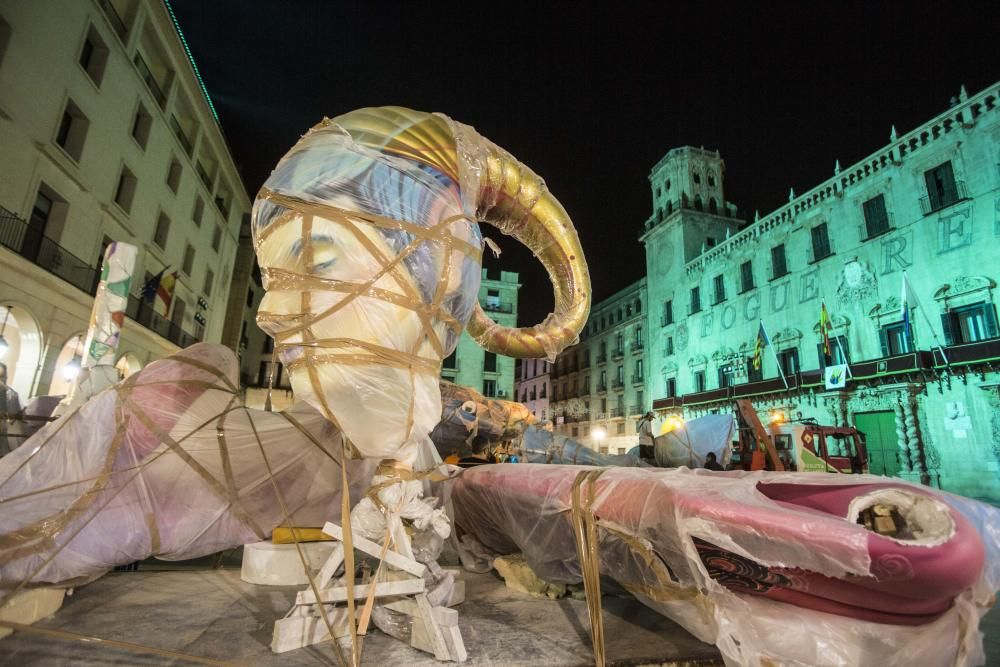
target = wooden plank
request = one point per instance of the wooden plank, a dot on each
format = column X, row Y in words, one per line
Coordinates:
column 375, row 550
column 432, row 637
column 295, row 632
column 753, row 420
column 382, row 589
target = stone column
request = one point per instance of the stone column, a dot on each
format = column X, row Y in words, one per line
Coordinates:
column 918, row 459
column 905, row 466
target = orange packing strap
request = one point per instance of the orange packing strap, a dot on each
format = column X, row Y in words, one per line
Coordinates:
column 285, row 535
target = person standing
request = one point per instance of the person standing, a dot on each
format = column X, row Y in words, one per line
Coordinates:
column 10, row 409
column 645, row 429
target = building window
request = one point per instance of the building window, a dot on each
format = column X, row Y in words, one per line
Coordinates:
column 840, row 353
column 876, row 217
column 894, row 340
column 125, row 192
column 820, row 242
column 637, row 345
column 250, row 298
column 620, row 429
column 4, row 38
column 746, row 277
column 942, row 189
column 72, row 130
column 209, row 281
column 543, row 391
column 699, row 381
column 161, row 232
column 490, row 362
column 142, row 123
column 713, row 206
column 970, row 324
column 638, row 306
column 720, row 289
column 620, row 344
column 619, row 314
column 620, row 376
column 668, row 313
column 789, row 361
column 711, row 179
column 638, row 371
column 668, row 348
column 451, row 361
column 603, row 450
column 778, row 265
column 754, row 374
column 174, row 176
column 725, row 376
column 94, row 56
column 216, row 238
column 198, row 212
column 695, row 300
column 489, row 388
column 670, row 387
column 576, row 432
column 696, row 177
column 188, row 264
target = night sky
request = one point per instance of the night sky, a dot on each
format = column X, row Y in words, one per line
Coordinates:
column 591, row 96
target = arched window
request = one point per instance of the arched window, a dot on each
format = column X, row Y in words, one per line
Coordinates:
column 628, row 310
column 696, row 177
column 668, row 184
column 638, row 306
column 713, row 207
column 697, row 203
column 619, row 314
column 711, row 179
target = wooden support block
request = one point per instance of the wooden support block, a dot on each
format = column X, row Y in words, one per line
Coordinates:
column 294, row 632
column 330, row 567
column 426, row 634
column 382, row 589
column 448, row 620
column 375, row 550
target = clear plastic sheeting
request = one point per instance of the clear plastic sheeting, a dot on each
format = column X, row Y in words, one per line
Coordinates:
column 169, row 464
column 689, row 442
column 765, row 565
column 543, row 446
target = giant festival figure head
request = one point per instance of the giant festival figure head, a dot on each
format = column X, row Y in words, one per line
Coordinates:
column 367, row 238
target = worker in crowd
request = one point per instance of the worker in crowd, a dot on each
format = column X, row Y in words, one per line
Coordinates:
column 10, row 411
column 711, row 463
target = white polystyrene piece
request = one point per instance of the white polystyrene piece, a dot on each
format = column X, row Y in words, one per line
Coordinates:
column 30, row 606
column 269, row 564
column 928, row 519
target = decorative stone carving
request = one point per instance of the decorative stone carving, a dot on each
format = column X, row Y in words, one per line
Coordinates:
column 787, row 336
column 963, row 285
column 669, row 367
column 697, row 361
column 857, row 283
column 681, row 337
column 993, row 400
column 837, row 322
column 915, row 445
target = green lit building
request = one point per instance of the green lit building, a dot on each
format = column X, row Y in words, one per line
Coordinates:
column 472, row 366
column 926, row 394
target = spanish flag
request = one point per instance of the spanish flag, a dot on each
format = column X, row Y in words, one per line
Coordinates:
column 758, row 348
column 824, row 329
column 165, row 294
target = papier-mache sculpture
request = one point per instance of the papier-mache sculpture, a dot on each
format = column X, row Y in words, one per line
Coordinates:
column 367, row 237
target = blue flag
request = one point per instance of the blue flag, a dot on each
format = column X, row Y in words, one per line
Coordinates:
column 153, row 284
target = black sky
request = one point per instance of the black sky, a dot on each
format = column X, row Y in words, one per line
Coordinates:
column 592, row 95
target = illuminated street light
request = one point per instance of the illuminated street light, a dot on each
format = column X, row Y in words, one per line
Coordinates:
column 777, row 416
column 72, row 369
column 599, row 434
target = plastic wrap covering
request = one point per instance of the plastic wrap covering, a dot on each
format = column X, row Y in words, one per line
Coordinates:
column 367, row 238
column 470, row 422
column 543, row 446
column 765, row 565
column 688, row 443
column 168, row 464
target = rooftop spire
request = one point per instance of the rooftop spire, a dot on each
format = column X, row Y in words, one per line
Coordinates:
column 836, row 167
column 893, row 135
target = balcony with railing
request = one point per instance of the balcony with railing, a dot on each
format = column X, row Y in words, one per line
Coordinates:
column 619, row 384
column 933, row 202
column 616, row 413
column 602, row 387
column 635, row 410
column 30, row 242
column 638, row 379
column 618, row 353
column 602, row 359
column 146, row 75
column 637, row 345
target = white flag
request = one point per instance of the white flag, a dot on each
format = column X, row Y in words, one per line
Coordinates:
column 836, row 376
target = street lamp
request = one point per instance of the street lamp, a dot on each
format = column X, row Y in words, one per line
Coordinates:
column 72, row 369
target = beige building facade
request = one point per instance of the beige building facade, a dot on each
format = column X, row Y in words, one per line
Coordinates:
column 108, row 135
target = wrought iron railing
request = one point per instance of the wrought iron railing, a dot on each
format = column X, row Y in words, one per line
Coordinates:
column 30, row 242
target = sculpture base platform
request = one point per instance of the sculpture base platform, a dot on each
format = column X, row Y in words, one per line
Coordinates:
column 30, row 606
column 269, row 564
